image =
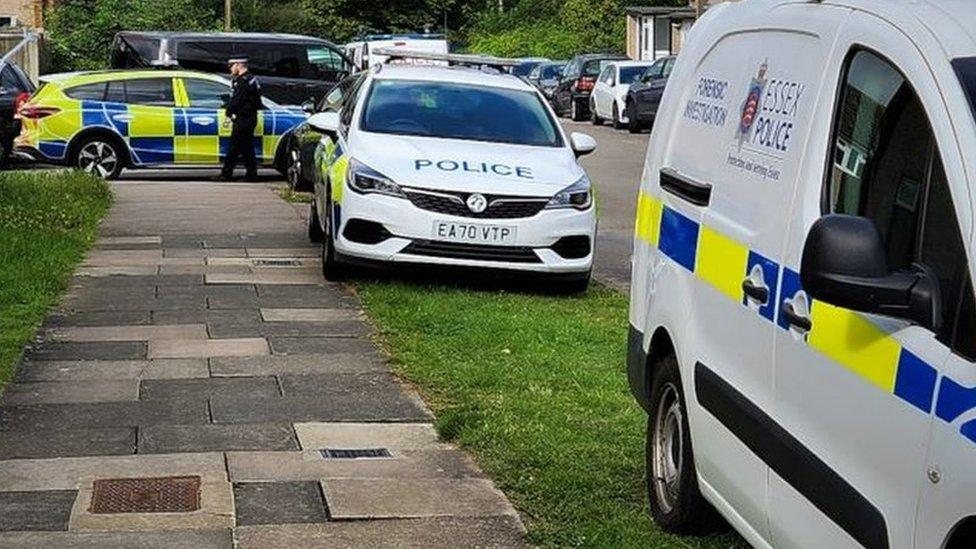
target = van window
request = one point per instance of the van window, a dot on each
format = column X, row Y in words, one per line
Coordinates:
column 205, row 93
column 204, row 56
column 324, row 63
column 280, row 59
column 886, row 166
column 87, row 92
column 157, row 92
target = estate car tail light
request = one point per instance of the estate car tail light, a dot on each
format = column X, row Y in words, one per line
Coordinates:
column 34, row 112
column 19, row 102
column 585, row 84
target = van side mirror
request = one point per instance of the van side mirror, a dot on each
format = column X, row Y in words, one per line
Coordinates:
column 582, row 144
column 325, row 122
column 844, row 264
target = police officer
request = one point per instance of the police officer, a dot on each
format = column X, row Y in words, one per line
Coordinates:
column 242, row 110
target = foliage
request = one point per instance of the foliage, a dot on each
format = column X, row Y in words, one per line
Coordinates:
column 47, row 222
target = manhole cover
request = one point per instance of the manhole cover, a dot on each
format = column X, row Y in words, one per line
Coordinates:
column 146, row 495
column 276, row 263
column 355, row 453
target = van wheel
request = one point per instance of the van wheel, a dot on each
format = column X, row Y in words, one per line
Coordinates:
column 315, row 232
column 633, row 125
column 332, row 269
column 617, row 124
column 99, row 156
column 672, row 485
column 594, row 117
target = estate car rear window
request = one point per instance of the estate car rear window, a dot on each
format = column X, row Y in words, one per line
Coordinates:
column 629, row 74
column 459, row 111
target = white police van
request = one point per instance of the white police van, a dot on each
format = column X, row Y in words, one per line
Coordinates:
column 803, row 328
column 451, row 166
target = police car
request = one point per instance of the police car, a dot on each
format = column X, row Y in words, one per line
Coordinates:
column 451, row 166
column 104, row 121
column 803, row 326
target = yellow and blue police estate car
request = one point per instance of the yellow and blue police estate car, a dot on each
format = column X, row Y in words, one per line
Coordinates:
column 105, row 121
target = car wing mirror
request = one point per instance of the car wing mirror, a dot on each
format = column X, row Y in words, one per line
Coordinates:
column 308, row 106
column 844, row 264
column 325, row 122
column 582, row 144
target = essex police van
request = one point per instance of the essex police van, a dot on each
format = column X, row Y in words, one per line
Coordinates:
column 803, row 328
column 450, row 166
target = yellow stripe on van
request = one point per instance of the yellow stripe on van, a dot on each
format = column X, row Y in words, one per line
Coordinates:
column 338, row 177
column 858, row 345
column 721, row 262
column 648, row 224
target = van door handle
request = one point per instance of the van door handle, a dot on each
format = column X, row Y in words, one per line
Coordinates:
column 755, row 291
column 698, row 193
column 795, row 319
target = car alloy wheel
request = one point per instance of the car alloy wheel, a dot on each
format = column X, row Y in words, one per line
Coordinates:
column 294, row 172
column 98, row 158
column 668, row 448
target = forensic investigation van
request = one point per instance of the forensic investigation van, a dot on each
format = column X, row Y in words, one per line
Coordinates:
column 802, row 319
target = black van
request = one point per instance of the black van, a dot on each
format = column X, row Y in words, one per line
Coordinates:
column 292, row 68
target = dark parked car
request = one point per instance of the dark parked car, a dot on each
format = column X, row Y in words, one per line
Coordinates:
column 644, row 95
column 303, row 141
column 292, row 68
column 15, row 88
column 545, row 76
column 527, row 65
column 572, row 94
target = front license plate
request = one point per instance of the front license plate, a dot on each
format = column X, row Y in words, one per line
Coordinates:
column 474, row 233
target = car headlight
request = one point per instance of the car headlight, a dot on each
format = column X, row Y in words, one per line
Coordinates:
column 578, row 196
column 366, row 180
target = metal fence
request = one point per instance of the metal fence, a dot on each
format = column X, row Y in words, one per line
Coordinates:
column 29, row 51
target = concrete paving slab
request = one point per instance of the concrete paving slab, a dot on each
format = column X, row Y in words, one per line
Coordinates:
column 367, row 386
column 193, row 292
column 56, row 392
column 398, row 436
column 98, row 257
column 165, row 439
column 39, row 417
column 96, row 318
column 118, row 370
column 319, row 346
column 44, row 511
column 71, row 473
column 278, row 503
column 112, row 350
column 119, row 270
column 343, row 329
column 264, row 277
column 207, row 316
column 438, row 533
column 310, row 465
column 197, row 539
column 203, row 270
column 216, row 512
column 284, row 252
column 311, row 315
column 65, row 443
column 208, row 348
column 202, row 253
column 414, row 498
column 129, row 333
column 227, row 409
column 232, row 302
column 296, row 364
column 202, row 389
column 119, row 240
column 298, row 264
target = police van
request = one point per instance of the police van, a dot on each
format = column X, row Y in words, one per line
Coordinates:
column 453, row 167
column 802, row 320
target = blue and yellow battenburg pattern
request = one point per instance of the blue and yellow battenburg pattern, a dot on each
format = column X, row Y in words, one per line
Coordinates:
column 840, row 334
column 155, row 135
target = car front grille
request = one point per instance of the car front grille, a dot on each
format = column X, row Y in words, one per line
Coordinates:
column 455, row 203
column 478, row 252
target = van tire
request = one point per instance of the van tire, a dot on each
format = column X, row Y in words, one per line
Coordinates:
column 633, row 125
column 315, row 232
column 676, row 502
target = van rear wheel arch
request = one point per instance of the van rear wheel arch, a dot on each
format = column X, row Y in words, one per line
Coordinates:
column 963, row 535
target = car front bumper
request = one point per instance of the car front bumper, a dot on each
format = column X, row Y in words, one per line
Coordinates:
column 410, row 237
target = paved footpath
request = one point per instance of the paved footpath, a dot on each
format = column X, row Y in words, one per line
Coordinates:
column 201, row 386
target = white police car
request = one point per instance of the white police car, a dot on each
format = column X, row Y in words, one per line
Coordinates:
column 450, row 166
column 803, row 324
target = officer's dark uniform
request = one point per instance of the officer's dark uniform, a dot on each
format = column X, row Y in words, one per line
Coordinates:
column 242, row 109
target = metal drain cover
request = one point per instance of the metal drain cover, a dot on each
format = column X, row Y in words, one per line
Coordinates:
column 146, row 495
column 355, row 453
column 276, row 263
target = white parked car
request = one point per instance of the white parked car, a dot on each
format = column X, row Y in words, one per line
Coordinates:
column 803, row 323
column 451, row 167
column 609, row 97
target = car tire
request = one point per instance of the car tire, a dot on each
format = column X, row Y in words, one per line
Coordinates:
column 594, row 117
column 332, row 269
column 675, row 500
column 617, row 124
column 293, row 169
column 575, row 113
column 100, row 156
column 315, row 232
column 633, row 124
column 576, row 285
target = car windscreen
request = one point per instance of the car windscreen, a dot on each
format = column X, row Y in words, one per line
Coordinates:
column 594, row 67
column 966, row 71
column 552, row 71
column 459, row 111
column 628, row 75
column 524, row 69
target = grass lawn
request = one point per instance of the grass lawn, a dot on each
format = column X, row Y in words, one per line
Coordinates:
column 47, row 222
column 535, row 388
